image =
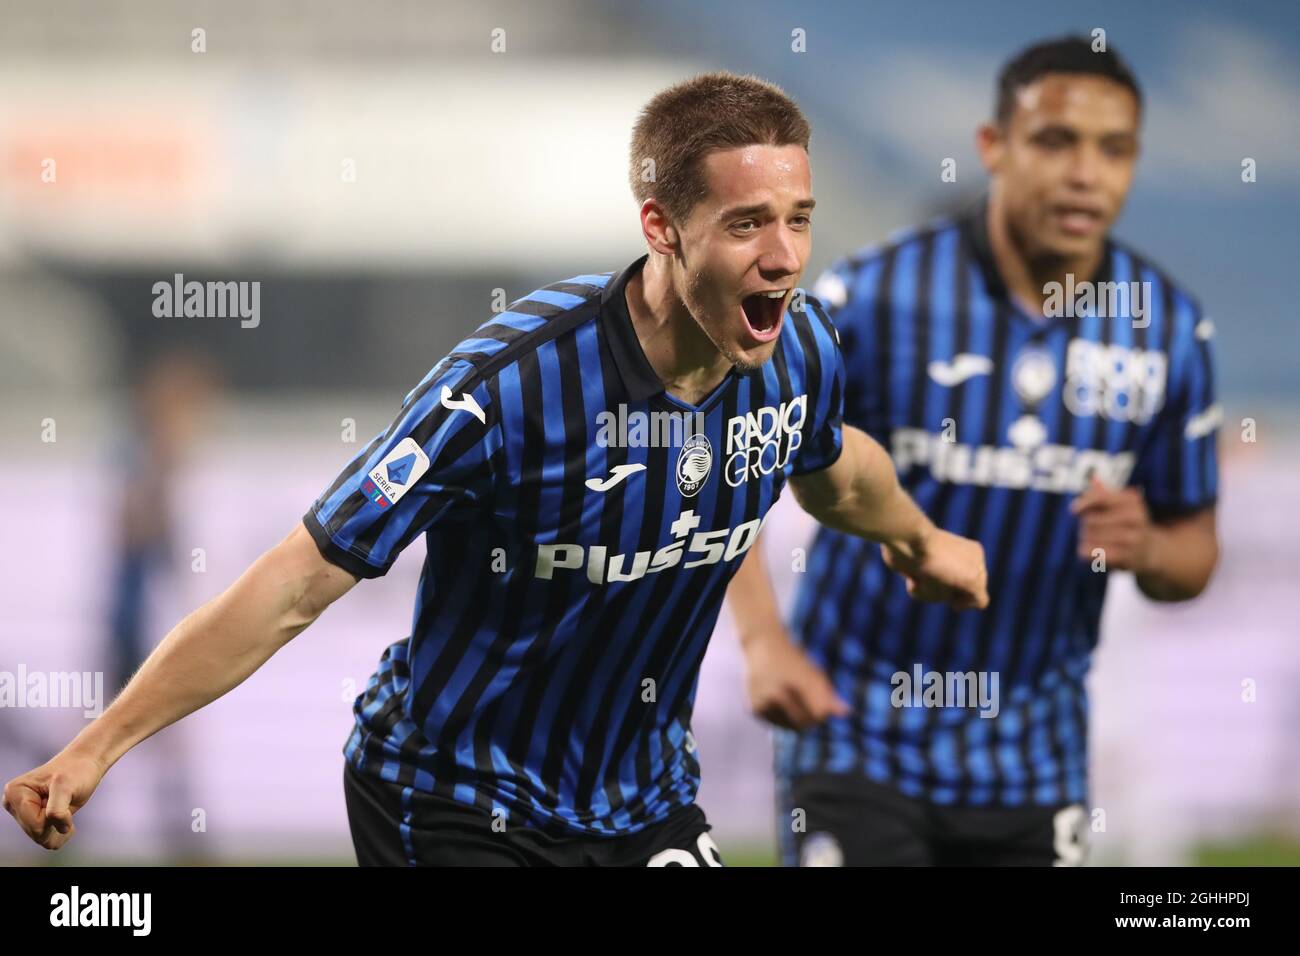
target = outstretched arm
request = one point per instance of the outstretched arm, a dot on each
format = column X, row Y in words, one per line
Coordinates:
column 860, row 494
column 210, row 652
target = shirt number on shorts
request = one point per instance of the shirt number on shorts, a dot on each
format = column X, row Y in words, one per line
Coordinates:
column 708, row 851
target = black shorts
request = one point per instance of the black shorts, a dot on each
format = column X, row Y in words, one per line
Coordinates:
column 849, row 820
column 394, row 825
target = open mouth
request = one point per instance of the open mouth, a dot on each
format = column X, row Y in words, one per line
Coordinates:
column 763, row 312
column 1078, row 220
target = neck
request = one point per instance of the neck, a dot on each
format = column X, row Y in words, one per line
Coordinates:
column 1025, row 272
column 684, row 358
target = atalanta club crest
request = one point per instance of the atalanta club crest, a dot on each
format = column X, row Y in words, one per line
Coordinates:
column 1033, row 376
column 693, row 465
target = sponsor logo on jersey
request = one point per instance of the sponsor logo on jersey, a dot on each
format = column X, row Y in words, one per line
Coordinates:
column 1198, row 426
column 1115, row 382
column 1060, row 469
column 763, row 440
column 690, row 548
column 466, row 403
column 963, row 366
column 616, row 475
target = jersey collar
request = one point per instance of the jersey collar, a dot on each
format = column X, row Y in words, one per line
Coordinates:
column 637, row 374
column 974, row 227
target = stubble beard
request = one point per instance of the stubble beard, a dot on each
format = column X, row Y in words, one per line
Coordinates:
column 691, row 296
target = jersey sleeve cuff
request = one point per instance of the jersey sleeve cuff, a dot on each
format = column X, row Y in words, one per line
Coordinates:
column 337, row 555
column 821, row 466
column 1165, row 512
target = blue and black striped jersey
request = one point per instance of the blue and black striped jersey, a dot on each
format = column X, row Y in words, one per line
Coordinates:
column 581, row 526
column 995, row 420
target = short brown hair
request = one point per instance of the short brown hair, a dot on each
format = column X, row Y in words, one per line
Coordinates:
column 708, row 112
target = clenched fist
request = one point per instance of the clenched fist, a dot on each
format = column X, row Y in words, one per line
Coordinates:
column 43, row 800
column 946, row 567
column 1116, row 522
column 785, row 687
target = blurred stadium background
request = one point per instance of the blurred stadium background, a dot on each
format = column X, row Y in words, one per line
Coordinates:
column 381, row 170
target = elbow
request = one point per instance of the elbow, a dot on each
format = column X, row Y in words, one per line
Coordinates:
column 303, row 584
column 320, row 588
column 1210, row 565
column 1164, row 592
column 1191, row 585
column 831, row 512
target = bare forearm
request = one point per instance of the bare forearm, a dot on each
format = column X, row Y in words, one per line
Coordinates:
column 1180, row 561
column 207, row 654
column 752, row 599
column 863, row 497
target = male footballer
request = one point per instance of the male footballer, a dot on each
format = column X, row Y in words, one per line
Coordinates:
column 539, row 711
column 1047, row 392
